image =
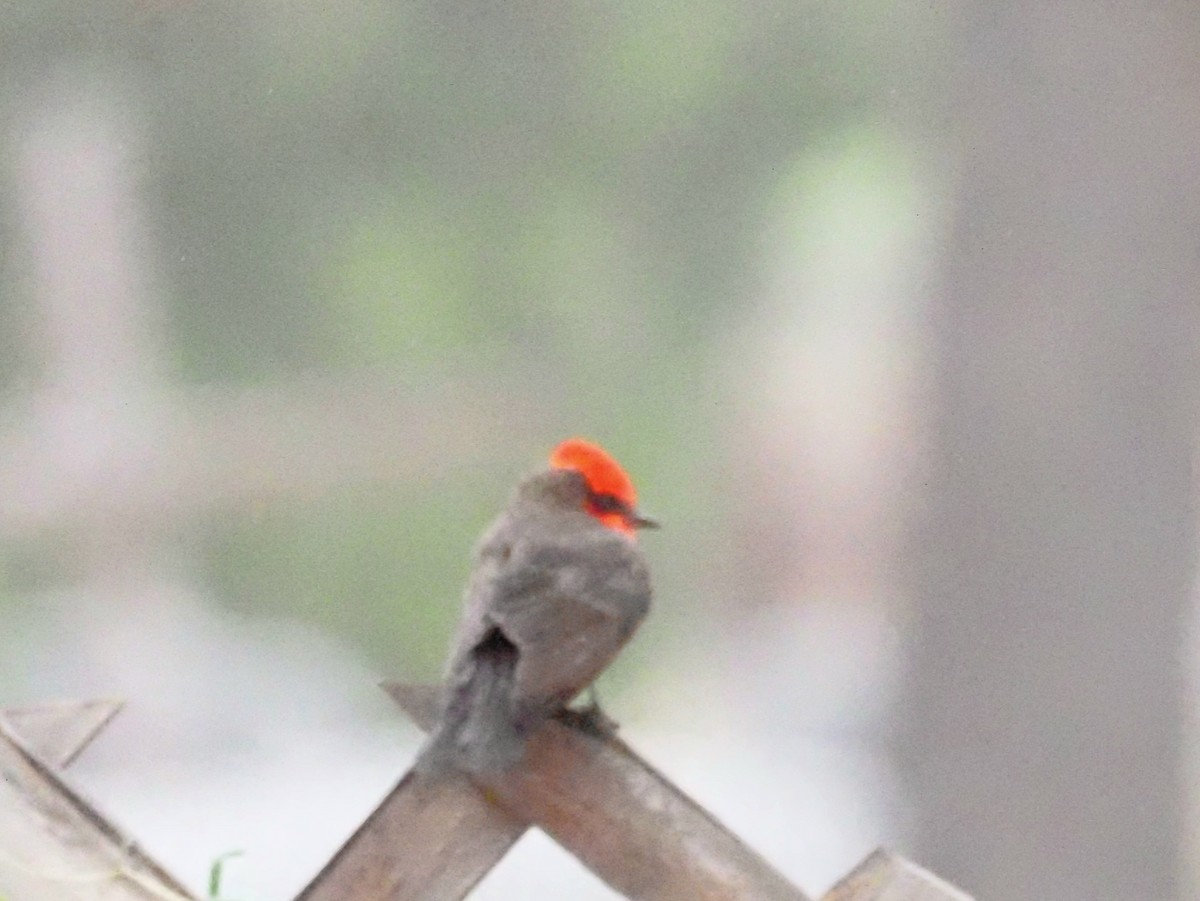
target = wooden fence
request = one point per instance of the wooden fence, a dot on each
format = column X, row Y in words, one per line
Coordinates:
column 428, row 839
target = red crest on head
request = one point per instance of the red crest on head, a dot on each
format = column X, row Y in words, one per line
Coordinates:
column 604, row 477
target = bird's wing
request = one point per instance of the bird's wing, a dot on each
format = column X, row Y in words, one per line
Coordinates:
column 569, row 607
column 492, row 558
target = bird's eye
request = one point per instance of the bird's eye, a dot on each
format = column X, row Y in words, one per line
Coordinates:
column 607, row 503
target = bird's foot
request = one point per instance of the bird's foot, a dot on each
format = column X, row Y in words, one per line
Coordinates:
column 590, row 719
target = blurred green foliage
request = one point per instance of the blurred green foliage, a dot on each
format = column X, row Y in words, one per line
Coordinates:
column 575, row 191
column 386, row 569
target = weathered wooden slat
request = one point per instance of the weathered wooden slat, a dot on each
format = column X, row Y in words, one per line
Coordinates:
column 435, row 838
column 594, row 796
column 58, row 732
column 885, row 876
column 54, row 844
column 427, row 840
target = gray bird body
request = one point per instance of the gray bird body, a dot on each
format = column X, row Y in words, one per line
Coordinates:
column 554, row 595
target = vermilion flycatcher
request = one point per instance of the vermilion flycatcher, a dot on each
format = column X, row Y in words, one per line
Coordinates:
column 557, row 588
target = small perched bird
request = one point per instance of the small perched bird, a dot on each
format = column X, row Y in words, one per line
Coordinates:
column 557, row 588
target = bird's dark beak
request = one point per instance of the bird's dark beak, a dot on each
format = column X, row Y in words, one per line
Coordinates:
column 643, row 522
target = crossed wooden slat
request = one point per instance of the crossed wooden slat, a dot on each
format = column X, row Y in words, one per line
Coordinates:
column 54, row 843
column 427, row 840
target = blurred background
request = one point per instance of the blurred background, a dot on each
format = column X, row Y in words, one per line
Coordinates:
column 889, row 309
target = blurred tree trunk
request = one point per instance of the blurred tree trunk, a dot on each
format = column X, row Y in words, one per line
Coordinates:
column 1053, row 571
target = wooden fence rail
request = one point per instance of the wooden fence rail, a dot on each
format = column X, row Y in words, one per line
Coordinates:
column 428, row 839
column 54, row 843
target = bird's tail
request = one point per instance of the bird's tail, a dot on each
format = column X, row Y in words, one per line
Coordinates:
column 479, row 730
